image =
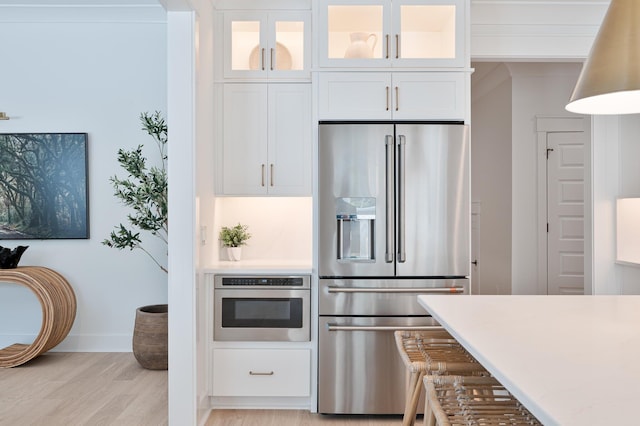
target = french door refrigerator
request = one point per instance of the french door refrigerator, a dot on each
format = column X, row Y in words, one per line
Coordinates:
column 394, row 222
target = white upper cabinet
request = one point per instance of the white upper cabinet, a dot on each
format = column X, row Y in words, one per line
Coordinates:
column 392, row 33
column 387, row 96
column 266, row 140
column 267, row 44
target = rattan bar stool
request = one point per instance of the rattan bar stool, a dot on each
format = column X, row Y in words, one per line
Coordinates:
column 432, row 352
column 472, row 400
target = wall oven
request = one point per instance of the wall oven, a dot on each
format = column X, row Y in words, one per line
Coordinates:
column 262, row 308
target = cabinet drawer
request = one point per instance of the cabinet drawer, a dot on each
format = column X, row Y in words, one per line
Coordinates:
column 261, row 372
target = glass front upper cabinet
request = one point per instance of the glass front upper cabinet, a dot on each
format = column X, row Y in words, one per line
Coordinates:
column 384, row 33
column 267, row 44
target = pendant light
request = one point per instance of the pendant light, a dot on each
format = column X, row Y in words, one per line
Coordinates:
column 610, row 79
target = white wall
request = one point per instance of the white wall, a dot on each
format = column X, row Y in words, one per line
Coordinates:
column 96, row 75
column 510, row 244
column 629, row 179
column 280, row 227
column 538, row 89
column 491, row 176
column 615, row 175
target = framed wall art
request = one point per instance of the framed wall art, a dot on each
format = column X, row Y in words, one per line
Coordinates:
column 43, row 186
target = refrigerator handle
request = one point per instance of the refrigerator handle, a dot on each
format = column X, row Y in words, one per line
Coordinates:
column 388, row 252
column 402, row 255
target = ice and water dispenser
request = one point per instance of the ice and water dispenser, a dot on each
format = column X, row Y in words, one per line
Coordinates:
column 355, row 221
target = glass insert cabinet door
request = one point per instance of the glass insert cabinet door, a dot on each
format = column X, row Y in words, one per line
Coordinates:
column 385, row 33
column 266, row 45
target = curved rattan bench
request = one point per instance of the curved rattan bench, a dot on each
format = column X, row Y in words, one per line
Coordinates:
column 58, row 304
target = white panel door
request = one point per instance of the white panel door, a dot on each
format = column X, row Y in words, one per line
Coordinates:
column 565, row 213
column 245, row 139
column 428, row 96
column 358, row 96
column 289, row 150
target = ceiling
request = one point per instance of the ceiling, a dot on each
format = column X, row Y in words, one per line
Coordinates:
column 77, row 2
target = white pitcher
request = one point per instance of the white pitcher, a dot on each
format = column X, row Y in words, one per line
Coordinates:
column 359, row 47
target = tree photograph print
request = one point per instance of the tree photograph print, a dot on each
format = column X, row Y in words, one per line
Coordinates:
column 43, row 186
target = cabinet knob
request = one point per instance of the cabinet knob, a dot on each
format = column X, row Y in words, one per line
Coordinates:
column 397, row 46
column 262, row 175
column 262, row 58
column 397, row 99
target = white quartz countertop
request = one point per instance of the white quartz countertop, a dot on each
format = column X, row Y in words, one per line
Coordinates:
column 571, row 360
column 260, row 267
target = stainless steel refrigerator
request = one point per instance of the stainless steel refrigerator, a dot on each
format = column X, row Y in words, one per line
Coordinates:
column 394, row 222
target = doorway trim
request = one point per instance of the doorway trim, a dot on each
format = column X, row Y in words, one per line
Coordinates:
column 544, row 126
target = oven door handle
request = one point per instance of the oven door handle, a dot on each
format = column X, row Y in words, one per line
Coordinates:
column 333, row 327
column 456, row 290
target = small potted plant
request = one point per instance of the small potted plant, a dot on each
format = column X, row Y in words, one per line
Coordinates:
column 233, row 239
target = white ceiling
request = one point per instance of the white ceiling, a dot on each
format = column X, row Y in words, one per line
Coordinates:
column 77, row 2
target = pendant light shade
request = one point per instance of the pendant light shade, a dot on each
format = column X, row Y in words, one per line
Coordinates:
column 610, row 79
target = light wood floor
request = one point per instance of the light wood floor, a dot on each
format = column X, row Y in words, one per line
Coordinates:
column 295, row 418
column 57, row 389
column 72, row 389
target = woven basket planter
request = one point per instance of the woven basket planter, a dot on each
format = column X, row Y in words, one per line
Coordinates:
column 150, row 337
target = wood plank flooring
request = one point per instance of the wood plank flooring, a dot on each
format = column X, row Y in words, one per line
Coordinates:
column 73, row 389
column 295, row 418
column 83, row 389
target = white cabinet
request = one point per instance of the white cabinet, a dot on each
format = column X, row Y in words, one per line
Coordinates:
column 392, row 33
column 399, row 96
column 273, row 44
column 266, row 139
column 261, row 372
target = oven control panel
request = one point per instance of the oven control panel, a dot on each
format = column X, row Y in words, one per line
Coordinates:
column 230, row 281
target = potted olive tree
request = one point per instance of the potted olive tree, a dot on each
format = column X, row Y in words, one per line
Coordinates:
column 233, row 239
column 144, row 190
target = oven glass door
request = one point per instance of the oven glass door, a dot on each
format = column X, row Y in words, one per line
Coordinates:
column 262, row 315
column 262, row 312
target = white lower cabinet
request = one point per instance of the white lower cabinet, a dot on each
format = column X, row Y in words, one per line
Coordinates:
column 261, row 372
column 387, row 96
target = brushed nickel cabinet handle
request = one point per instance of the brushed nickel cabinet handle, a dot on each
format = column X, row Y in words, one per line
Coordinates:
column 397, row 290
column 257, row 373
column 387, row 88
column 397, row 46
column 262, row 175
column 271, row 55
column 263, row 59
column 271, row 174
column 397, row 99
column 333, row 327
column 387, row 46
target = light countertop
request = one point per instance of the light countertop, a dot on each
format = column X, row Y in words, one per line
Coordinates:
column 264, row 267
column 571, row 360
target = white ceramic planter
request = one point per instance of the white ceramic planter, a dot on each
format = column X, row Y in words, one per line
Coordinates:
column 234, row 253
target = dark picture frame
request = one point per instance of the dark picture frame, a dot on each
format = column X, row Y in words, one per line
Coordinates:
column 44, row 191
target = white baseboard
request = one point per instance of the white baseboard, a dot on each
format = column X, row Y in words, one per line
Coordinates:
column 78, row 342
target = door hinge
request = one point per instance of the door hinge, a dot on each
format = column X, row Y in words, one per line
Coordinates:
column 547, row 227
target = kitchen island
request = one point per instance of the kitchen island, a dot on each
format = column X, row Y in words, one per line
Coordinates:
column 571, row 360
